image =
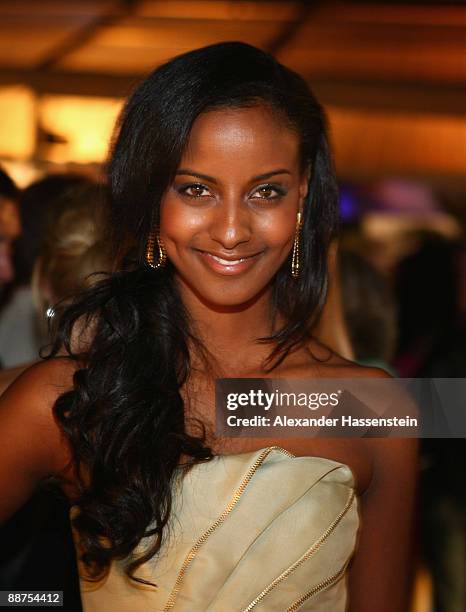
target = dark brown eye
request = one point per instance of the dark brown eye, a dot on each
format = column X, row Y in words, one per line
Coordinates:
column 195, row 190
column 268, row 192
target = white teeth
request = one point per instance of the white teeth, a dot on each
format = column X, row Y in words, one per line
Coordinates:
column 227, row 262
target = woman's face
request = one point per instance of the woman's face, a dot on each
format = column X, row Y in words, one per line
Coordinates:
column 228, row 220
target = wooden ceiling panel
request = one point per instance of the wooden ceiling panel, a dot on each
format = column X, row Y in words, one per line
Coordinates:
column 399, row 144
column 119, row 60
column 25, row 45
column 130, row 46
column 221, row 10
column 390, row 13
column 383, row 52
column 421, row 65
column 53, row 9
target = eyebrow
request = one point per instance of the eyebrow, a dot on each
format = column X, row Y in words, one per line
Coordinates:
column 205, row 177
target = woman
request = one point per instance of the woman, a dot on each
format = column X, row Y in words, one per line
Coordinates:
column 222, row 205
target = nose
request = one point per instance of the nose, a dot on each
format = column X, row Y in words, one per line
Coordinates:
column 231, row 224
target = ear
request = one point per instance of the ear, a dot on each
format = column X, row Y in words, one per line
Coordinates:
column 304, row 186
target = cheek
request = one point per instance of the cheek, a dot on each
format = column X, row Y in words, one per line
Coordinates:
column 277, row 228
column 179, row 222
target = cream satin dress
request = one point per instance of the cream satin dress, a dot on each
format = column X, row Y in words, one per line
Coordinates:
column 263, row 531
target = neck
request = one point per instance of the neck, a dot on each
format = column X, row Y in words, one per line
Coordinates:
column 229, row 333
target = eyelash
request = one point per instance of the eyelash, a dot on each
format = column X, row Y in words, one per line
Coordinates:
column 268, row 186
column 280, row 192
column 183, row 190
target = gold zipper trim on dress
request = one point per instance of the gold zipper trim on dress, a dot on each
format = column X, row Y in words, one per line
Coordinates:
column 318, row 587
column 310, row 551
column 234, row 500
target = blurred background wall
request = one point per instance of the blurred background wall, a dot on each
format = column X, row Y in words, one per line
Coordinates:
column 392, row 76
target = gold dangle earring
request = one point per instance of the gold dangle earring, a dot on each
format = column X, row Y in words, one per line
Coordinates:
column 154, row 236
column 295, row 262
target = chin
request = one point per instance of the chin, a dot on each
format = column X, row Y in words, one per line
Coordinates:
column 225, row 294
column 229, row 301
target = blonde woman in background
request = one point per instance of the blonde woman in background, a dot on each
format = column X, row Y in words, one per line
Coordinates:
column 62, row 226
column 10, row 227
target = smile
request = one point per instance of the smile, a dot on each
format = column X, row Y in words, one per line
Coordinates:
column 228, row 266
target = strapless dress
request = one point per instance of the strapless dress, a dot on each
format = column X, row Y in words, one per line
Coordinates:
column 263, row 530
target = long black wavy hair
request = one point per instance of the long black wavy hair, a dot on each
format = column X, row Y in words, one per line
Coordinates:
column 124, row 416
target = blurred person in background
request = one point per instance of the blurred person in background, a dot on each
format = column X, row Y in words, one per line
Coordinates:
column 70, row 252
column 369, row 311
column 331, row 328
column 21, row 330
column 61, row 219
column 430, row 287
column 10, row 228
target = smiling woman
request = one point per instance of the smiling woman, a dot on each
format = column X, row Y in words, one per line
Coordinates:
column 222, row 206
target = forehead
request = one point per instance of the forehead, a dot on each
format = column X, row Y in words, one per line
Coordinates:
column 240, row 138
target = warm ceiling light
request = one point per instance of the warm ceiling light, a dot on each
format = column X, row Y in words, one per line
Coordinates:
column 81, row 127
column 17, row 130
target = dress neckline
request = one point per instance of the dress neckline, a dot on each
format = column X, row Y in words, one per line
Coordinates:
column 258, row 450
column 266, row 450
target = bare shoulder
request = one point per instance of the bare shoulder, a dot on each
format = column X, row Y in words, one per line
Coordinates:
column 387, row 454
column 27, row 405
column 317, row 360
column 393, row 458
column 377, row 463
column 42, row 383
column 32, row 445
column 345, row 368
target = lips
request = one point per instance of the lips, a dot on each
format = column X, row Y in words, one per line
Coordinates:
column 228, row 265
column 228, row 262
